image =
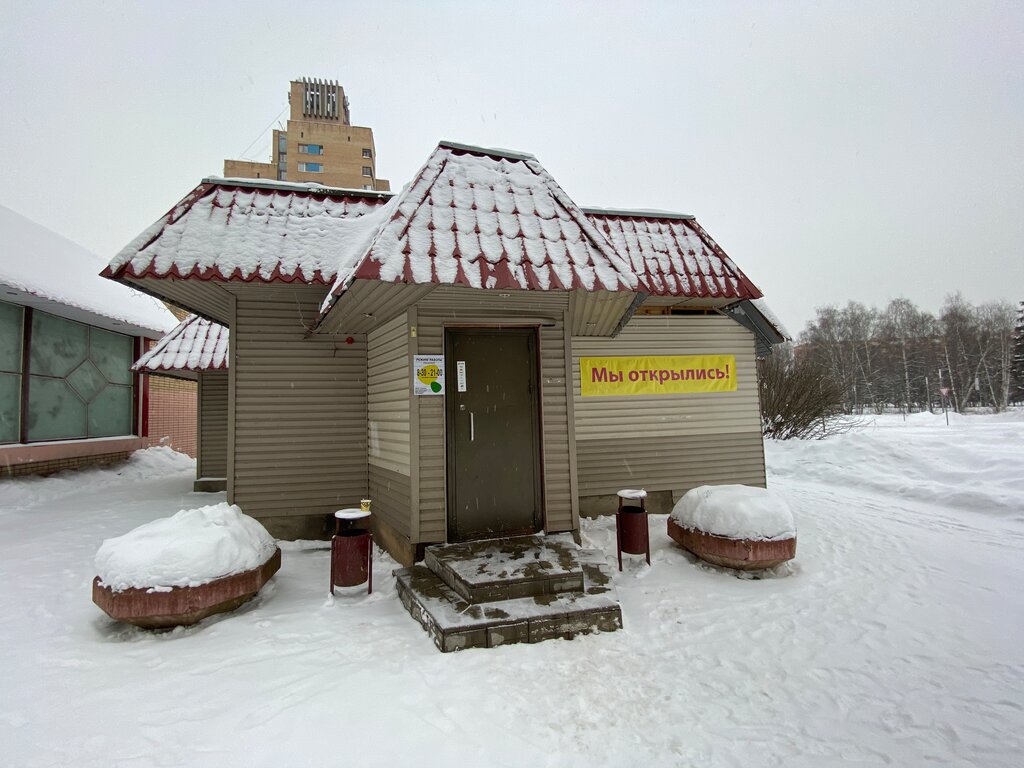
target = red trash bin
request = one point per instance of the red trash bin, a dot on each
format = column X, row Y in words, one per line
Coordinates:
column 632, row 534
column 351, row 550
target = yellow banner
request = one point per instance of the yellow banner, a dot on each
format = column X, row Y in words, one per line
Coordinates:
column 657, row 375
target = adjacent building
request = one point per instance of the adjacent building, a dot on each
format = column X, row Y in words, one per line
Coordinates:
column 68, row 338
column 320, row 143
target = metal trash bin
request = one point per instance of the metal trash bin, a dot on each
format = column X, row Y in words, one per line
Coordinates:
column 632, row 534
column 351, row 550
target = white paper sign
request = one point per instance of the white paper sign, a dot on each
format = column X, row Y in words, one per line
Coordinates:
column 428, row 375
column 460, row 375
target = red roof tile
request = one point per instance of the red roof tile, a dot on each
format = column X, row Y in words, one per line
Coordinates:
column 673, row 255
column 490, row 219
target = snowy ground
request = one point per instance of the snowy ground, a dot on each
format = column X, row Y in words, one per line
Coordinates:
column 894, row 638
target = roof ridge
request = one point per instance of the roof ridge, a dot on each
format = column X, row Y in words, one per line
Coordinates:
column 636, row 213
column 511, row 154
column 301, row 187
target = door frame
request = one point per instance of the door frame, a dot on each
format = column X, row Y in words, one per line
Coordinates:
column 540, row 514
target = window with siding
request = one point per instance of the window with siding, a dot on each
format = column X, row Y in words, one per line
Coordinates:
column 11, row 340
column 79, row 379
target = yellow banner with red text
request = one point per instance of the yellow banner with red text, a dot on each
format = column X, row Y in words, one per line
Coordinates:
column 657, row 375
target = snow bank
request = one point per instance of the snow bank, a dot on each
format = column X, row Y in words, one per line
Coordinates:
column 736, row 512
column 192, row 547
column 965, row 465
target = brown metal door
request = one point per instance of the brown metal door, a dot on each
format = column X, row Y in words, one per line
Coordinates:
column 493, row 433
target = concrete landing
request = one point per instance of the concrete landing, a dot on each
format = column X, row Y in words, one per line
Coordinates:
column 455, row 623
column 504, row 569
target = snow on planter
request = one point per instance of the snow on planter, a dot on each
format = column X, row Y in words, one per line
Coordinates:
column 736, row 526
column 183, row 568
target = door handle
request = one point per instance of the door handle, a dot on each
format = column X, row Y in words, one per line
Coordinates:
column 472, row 427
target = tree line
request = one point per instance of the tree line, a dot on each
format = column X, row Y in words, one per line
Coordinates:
column 901, row 356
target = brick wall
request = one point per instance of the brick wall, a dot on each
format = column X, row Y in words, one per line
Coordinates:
column 59, row 465
column 172, row 413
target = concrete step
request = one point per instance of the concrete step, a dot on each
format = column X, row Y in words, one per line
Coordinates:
column 505, row 569
column 454, row 623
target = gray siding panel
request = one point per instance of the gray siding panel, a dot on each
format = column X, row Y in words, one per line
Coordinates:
column 559, row 503
column 671, row 464
column 432, row 506
column 202, row 296
column 670, row 442
column 213, row 425
column 388, row 387
column 300, row 407
column 390, row 493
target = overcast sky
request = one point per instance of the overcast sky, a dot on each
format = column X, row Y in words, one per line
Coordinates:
column 836, row 151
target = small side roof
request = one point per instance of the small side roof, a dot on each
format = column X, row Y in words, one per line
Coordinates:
column 673, row 255
column 240, row 229
column 195, row 345
column 39, row 268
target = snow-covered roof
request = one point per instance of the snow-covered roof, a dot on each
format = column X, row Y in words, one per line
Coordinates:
column 673, row 255
column 772, row 318
column 472, row 216
column 197, row 344
column 487, row 218
column 252, row 230
column 42, row 269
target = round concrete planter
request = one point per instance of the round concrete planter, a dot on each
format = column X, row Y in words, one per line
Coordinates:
column 743, row 554
column 184, row 605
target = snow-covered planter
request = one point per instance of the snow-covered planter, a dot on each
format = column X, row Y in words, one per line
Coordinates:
column 736, row 526
column 180, row 569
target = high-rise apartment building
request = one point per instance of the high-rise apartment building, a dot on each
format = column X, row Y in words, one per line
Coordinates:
column 320, row 143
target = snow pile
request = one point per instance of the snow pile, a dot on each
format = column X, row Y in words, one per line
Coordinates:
column 41, row 262
column 736, row 512
column 192, row 547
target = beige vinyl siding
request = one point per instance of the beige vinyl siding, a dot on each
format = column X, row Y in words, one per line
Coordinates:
column 387, row 395
column 465, row 306
column 433, row 524
column 674, row 464
column 205, row 297
column 670, row 442
column 213, row 424
column 390, row 494
column 561, row 513
column 300, row 407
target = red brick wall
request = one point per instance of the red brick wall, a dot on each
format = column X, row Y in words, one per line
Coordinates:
column 172, row 413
